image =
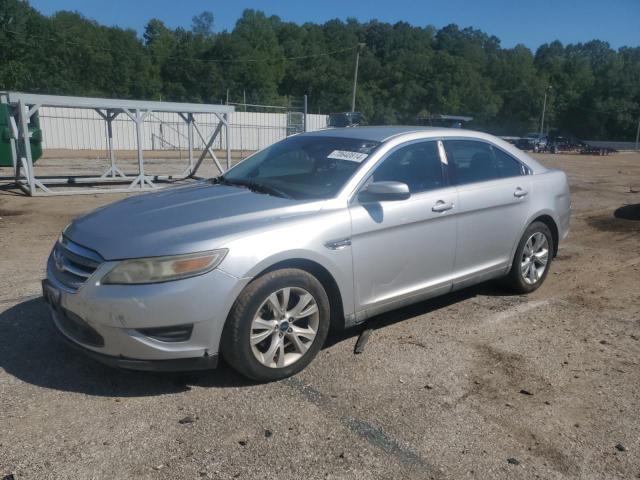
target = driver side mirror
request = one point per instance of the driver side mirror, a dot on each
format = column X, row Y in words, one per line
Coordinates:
column 384, row 191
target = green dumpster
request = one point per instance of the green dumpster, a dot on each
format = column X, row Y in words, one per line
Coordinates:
column 5, row 137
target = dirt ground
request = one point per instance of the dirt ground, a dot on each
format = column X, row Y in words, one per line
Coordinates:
column 478, row 384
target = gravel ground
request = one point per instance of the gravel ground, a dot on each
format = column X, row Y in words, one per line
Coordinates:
column 477, row 384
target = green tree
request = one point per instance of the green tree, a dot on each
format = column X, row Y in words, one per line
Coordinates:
column 404, row 69
column 202, row 24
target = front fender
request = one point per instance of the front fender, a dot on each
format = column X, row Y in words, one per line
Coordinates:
column 301, row 240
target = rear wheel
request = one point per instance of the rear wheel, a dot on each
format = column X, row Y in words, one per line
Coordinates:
column 532, row 259
column 277, row 325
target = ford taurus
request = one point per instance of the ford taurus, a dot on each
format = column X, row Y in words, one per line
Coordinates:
column 323, row 229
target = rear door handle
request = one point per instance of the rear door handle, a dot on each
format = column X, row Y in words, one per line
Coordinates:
column 519, row 193
column 442, row 206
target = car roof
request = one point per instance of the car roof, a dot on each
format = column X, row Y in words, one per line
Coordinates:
column 383, row 134
column 377, row 133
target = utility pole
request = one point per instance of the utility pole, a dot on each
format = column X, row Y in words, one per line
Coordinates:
column 355, row 77
column 544, row 107
column 638, row 134
column 305, row 113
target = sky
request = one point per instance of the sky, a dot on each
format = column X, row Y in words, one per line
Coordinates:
column 530, row 22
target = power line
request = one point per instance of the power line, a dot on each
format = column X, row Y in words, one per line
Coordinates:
column 204, row 60
column 604, row 112
column 301, row 57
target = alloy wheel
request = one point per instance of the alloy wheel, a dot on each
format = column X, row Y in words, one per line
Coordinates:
column 284, row 327
column 535, row 257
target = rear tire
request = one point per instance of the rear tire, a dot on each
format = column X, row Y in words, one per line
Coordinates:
column 532, row 259
column 277, row 326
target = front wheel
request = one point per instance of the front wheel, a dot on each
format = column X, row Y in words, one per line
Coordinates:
column 532, row 259
column 277, row 326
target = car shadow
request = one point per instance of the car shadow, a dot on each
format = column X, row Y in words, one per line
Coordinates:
column 490, row 289
column 32, row 351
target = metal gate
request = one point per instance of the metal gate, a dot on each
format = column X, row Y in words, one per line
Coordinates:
column 23, row 108
column 257, row 126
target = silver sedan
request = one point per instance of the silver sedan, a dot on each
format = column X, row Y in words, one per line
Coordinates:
column 320, row 230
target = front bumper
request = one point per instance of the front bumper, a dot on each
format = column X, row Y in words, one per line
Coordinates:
column 104, row 321
column 208, row 362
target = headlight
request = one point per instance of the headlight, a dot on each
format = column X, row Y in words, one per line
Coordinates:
column 164, row 269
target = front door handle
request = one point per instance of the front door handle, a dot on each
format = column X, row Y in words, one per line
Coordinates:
column 442, row 206
column 519, row 193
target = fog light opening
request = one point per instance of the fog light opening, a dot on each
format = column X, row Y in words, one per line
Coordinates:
column 176, row 333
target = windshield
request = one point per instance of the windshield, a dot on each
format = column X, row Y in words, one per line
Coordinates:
column 314, row 167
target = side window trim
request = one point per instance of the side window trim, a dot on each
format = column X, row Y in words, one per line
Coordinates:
column 444, row 162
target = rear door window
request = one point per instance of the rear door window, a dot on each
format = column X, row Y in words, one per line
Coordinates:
column 471, row 161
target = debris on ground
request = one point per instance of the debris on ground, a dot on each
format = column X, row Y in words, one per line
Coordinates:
column 513, row 461
column 362, row 340
column 621, row 448
column 525, row 392
column 187, row 419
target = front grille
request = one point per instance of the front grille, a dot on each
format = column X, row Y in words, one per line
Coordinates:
column 71, row 264
column 76, row 328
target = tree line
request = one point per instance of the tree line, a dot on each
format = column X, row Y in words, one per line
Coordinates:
column 406, row 71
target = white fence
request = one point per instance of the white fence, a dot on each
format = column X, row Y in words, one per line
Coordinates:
column 84, row 129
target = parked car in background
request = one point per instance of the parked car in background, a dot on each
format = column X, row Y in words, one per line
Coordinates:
column 345, row 119
column 533, row 142
column 322, row 229
column 590, row 149
column 509, row 139
column 560, row 144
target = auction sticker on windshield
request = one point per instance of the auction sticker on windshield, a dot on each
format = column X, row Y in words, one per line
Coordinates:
column 347, row 155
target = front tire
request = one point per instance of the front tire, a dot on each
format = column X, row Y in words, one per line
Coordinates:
column 532, row 259
column 277, row 325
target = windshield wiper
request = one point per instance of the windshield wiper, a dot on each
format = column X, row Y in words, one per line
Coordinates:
column 268, row 189
column 220, row 180
column 253, row 186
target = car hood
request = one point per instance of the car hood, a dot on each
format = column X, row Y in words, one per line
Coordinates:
column 180, row 220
